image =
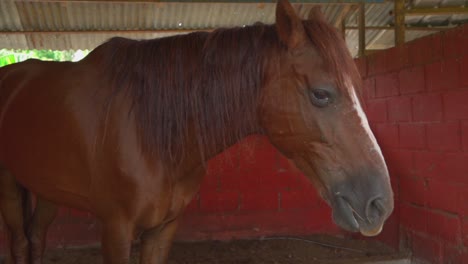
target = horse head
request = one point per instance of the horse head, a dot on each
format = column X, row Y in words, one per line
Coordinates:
column 311, row 112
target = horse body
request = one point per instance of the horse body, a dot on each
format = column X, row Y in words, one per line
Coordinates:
column 104, row 167
column 98, row 147
column 52, row 117
column 125, row 133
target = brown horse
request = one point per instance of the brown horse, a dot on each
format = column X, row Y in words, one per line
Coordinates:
column 126, row 132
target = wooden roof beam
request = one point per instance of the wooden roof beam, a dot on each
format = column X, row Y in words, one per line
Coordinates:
column 408, row 28
column 399, row 13
column 224, row 1
column 437, row 11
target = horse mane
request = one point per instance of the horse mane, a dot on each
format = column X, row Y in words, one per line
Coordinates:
column 205, row 84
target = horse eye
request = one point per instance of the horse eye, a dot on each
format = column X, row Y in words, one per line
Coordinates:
column 320, row 97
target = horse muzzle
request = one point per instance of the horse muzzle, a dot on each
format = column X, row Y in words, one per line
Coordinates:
column 367, row 219
column 362, row 210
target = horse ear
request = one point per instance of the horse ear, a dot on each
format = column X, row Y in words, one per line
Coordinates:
column 315, row 13
column 290, row 29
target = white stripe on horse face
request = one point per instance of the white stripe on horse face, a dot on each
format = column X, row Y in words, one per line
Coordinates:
column 365, row 125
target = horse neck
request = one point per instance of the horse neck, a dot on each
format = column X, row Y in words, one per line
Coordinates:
column 229, row 142
column 204, row 94
column 235, row 97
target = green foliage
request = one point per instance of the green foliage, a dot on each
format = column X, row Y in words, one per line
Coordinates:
column 14, row 56
column 7, row 59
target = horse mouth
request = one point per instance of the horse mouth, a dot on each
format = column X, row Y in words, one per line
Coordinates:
column 348, row 218
column 371, row 232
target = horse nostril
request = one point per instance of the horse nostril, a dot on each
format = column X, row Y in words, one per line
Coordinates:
column 375, row 209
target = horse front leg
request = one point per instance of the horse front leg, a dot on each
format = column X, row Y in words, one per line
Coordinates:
column 11, row 206
column 44, row 215
column 6, row 257
column 156, row 243
column 116, row 241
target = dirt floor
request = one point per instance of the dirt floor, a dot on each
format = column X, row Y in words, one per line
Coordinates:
column 314, row 249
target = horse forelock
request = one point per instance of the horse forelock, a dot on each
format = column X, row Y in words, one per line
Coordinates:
column 335, row 54
column 204, row 85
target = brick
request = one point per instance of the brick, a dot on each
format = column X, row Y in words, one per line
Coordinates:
column 377, row 110
column 400, row 162
column 216, row 202
column 399, row 109
column 451, row 167
column 427, row 163
column 230, row 180
column 452, row 254
column 250, row 180
column 257, row 153
column 387, row 135
column 210, row 181
column 437, row 49
column 262, row 180
column 465, row 231
column 427, row 108
column 228, row 160
column 376, row 63
column 413, row 190
column 464, row 70
column 304, row 183
column 395, row 184
column 454, row 168
column 361, row 64
column 412, row 80
column 413, row 217
column 386, row 85
column 397, row 58
column 444, row 226
column 465, row 38
column 267, row 180
column 419, row 51
column 444, row 136
column 369, row 88
column 298, row 200
column 455, row 105
column 425, row 50
column 412, row 136
column 260, row 201
column 464, row 135
column 371, row 65
column 426, row 248
column 285, row 164
column 442, row 195
column 462, row 201
column 453, row 43
column 277, row 181
column 290, row 180
column 443, row 75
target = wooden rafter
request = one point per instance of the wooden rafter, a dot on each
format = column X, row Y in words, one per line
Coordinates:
column 362, row 30
column 399, row 13
column 437, row 11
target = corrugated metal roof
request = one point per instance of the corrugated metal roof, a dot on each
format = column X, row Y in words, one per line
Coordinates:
column 86, row 24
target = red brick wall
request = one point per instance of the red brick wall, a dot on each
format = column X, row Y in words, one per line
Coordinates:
column 417, row 103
